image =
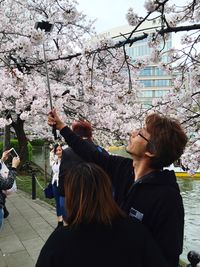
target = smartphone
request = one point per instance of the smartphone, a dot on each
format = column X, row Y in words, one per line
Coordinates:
column 13, row 153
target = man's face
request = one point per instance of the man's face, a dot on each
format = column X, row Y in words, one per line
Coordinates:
column 137, row 142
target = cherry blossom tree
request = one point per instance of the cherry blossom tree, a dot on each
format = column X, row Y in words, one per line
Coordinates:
column 183, row 101
column 79, row 74
column 95, row 80
column 24, row 99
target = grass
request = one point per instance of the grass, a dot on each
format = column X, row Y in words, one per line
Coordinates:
column 24, row 183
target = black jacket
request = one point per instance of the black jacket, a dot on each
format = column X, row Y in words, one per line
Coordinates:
column 155, row 199
column 5, row 184
column 124, row 244
column 69, row 157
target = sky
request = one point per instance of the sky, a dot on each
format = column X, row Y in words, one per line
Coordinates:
column 110, row 13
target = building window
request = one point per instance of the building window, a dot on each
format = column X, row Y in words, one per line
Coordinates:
column 165, row 59
column 160, row 93
column 146, row 105
column 155, row 83
column 148, row 71
column 145, row 93
column 148, row 83
column 161, row 83
column 159, row 72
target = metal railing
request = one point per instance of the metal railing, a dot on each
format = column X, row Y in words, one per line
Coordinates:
column 194, row 259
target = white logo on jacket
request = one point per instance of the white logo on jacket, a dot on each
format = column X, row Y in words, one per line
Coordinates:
column 136, row 214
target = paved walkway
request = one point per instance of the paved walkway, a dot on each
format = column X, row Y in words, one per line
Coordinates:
column 25, row 230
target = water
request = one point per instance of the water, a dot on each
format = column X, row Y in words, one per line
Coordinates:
column 190, row 191
column 41, row 157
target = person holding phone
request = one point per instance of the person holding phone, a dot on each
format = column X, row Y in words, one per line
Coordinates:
column 6, row 182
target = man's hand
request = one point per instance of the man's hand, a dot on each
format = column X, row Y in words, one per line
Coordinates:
column 53, row 119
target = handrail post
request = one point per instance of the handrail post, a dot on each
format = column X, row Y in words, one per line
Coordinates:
column 33, row 185
column 194, row 259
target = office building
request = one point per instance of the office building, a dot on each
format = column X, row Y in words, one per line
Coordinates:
column 156, row 81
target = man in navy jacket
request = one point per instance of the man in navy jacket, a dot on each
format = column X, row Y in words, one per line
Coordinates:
column 83, row 129
column 146, row 192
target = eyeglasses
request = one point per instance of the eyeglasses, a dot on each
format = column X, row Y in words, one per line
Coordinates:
column 143, row 137
column 148, row 141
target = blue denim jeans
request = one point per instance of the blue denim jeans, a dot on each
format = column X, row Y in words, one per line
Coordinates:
column 62, row 205
column 59, row 209
column 1, row 218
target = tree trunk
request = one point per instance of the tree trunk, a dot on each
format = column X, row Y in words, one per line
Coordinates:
column 6, row 138
column 22, row 140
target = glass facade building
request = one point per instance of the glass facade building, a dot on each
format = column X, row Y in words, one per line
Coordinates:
column 155, row 81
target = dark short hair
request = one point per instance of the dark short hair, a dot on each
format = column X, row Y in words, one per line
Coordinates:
column 88, row 195
column 82, row 128
column 55, row 147
column 168, row 139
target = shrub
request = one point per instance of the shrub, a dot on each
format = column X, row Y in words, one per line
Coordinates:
column 37, row 142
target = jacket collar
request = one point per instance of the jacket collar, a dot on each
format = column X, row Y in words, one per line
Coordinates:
column 159, row 177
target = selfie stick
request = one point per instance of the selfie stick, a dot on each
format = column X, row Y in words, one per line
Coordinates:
column 47, row 27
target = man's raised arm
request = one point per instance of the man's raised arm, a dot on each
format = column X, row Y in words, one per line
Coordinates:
column 81, row 147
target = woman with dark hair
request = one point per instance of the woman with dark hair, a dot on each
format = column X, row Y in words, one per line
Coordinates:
column 98, row 233
column 6, row 182
column 55, row 159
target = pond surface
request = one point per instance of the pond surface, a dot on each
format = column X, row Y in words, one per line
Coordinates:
column 41, row 157
column 190, row 191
